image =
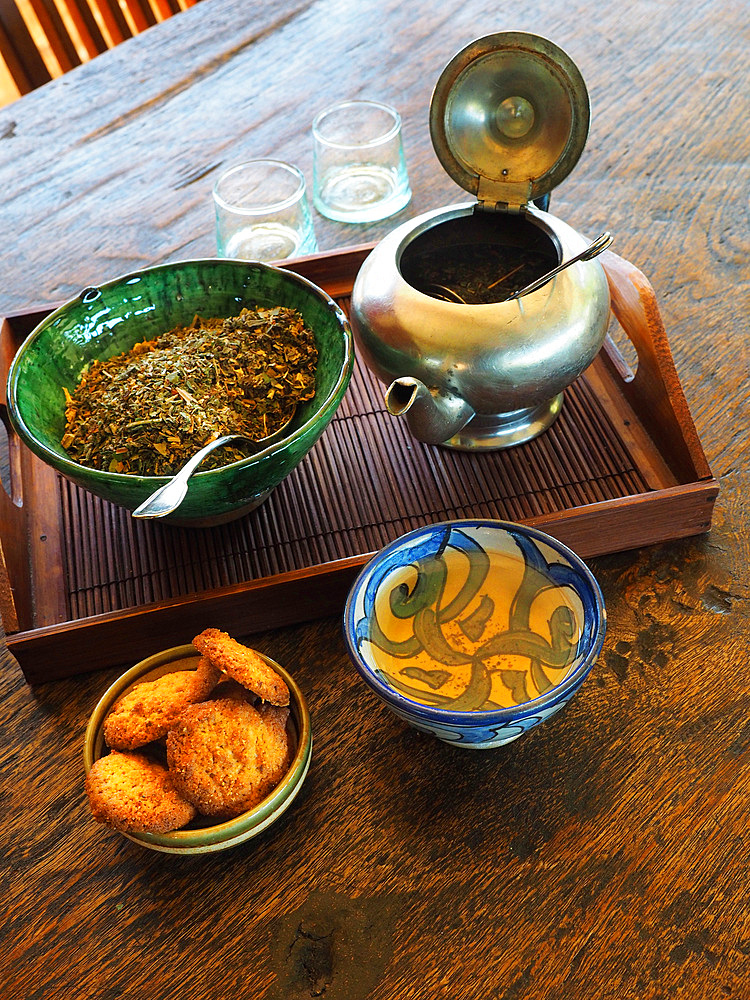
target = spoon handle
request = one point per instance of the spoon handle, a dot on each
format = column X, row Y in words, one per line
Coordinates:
column 192, row 464
column 592, row 250
column 169, row 496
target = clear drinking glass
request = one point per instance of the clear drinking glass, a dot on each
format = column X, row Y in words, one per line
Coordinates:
column 359, row 170
column 262, row 212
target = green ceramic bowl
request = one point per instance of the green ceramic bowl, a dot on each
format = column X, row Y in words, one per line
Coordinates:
column 110, row 319
column 201, row 836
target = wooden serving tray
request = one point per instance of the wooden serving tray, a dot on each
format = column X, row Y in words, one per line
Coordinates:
column 84, row 586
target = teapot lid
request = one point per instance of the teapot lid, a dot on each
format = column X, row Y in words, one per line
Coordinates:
column 509, row 118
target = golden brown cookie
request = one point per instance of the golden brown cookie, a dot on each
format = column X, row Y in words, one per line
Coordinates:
column 151, row 708
column 224, row 756
column 243, row 665
column 131, row 793
column 228, row 688
column 275, row 751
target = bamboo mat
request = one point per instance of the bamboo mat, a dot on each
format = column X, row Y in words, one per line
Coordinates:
column 366, row 481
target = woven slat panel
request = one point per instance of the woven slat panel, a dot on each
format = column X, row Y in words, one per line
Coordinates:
column 365, row 482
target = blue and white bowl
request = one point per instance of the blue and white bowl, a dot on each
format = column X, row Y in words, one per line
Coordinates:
column 475, row 631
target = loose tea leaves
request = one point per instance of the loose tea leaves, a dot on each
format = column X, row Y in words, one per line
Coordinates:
column 147, row 411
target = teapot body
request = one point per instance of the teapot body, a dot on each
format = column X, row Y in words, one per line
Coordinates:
column 507, row 361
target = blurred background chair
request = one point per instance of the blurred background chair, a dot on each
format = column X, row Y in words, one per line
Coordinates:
column 41, row 39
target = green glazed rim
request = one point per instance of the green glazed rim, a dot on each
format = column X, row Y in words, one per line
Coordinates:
column 220, row 836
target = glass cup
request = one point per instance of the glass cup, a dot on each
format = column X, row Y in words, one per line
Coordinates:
column 262, row 212
column 359, row 170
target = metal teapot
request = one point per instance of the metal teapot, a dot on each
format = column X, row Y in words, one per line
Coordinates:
column 466, row 364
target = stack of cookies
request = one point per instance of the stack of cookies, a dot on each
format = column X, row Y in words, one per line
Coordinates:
column 211, row 742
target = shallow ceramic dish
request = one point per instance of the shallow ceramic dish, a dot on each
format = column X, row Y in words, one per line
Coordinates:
column 475, row 631
column 202, row 836
column 109, row 320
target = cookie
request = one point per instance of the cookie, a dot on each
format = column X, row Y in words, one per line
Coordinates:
column 228, row 688
column 243, row 665
column 151, row 708
column 225, row 756
column 275, row 749
column 130, row 793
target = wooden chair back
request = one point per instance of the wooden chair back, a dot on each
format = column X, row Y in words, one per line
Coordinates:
column 71, row 31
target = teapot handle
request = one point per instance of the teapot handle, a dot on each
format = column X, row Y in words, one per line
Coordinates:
column 655, row 389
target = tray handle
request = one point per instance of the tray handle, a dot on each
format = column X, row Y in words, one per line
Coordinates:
column 13, row 554
column 10, row 517
column 8, row 347
column 14, row 462
column 655, row 390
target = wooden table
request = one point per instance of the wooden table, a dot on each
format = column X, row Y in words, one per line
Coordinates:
column 607, row 854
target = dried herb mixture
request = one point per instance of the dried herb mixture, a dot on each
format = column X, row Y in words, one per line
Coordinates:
column 147, row 411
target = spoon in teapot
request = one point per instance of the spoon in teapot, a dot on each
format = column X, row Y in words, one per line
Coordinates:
column 591, row 251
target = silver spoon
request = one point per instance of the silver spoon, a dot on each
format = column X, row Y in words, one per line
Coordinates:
column 169, row 496
column 592, row 250
column 444, row 293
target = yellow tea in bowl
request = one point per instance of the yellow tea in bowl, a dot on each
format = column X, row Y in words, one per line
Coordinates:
column 475, row 630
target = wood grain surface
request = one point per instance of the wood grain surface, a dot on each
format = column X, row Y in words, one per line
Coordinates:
column 606, row 855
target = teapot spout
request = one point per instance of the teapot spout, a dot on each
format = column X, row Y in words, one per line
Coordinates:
column 433, row 416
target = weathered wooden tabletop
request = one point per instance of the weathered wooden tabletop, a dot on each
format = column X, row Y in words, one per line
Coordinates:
column 606, row 855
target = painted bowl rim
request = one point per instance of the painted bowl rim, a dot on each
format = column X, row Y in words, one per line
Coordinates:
column 470, row 719
column 229, row 833
column 69, row 467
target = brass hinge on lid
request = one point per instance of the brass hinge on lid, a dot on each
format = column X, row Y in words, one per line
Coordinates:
column 503, row 196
